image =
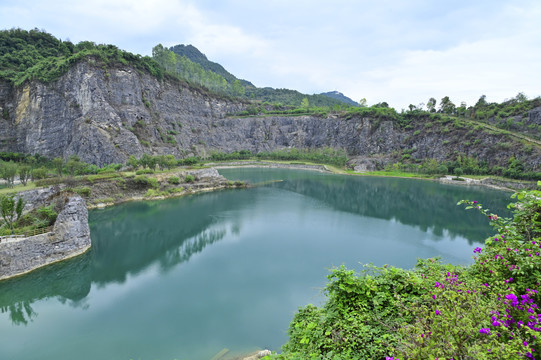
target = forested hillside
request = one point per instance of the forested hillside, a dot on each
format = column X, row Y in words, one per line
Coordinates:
column 37, row 55
column 190, row 60
column 193, row 54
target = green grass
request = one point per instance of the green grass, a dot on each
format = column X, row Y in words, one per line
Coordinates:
column 392, row 174
column 17, row 188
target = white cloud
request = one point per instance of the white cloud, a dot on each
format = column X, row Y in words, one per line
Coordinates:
column 387, row 51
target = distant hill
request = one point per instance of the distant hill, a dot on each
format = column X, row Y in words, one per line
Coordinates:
column 267, row 94
column 339, row 96
column 193, row 53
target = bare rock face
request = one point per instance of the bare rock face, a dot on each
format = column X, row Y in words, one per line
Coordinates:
column 71, row 227
column 38, row 197
column 70, row 237
column 534, row 116
column 105, row 114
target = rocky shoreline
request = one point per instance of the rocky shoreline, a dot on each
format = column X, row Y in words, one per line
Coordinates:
column 69, row 237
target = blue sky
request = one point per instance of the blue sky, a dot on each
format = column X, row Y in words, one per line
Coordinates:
column 402, row 52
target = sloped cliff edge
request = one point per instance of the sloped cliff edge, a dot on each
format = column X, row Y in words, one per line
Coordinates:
column 69, row 237
column 105, row 114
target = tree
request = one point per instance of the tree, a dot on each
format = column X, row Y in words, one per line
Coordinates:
column 304, row 103
column 362, row 102
column 25, row 172
column 133, row 163
column 8, row 170
column 73, row 165
column 58, row 164
column 431, row 105
column 482, row 102
column 10, row 210
column 461, row 110
column 238, row 89
column 521, row 97
column 161, row 161
column 170, row 161
column 447, row 106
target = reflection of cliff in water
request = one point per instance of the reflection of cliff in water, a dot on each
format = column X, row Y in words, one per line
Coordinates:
column 128, row 238
column 424, row 204
column 124, row 241
column 69, row 281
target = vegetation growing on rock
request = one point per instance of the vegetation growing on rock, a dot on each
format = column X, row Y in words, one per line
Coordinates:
column 485, row 311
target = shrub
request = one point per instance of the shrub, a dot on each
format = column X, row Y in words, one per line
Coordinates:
column 189, row 178
column 39, row 173
column 152, row 193
column 175, row 180
column 83, row 191
column 485, row 311
column 48, row 214
column 144, row 171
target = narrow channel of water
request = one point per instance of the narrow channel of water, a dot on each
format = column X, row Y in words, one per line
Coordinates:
column 185, row 278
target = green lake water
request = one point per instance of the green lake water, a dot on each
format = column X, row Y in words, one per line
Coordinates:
column 185, row 278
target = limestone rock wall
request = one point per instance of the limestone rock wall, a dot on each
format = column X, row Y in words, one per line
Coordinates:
column 70, row 237
column 105, row 114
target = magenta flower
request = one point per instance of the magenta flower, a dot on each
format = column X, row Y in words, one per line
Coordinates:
column 438, row 312
column 484, row 331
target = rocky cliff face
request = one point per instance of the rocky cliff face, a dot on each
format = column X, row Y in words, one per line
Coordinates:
column 104, row 115
column 70, row 237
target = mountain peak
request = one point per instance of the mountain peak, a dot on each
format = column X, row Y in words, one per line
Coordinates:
column 190, row 51
column 339, row 96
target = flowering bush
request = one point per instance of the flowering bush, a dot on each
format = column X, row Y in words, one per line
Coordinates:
column 491, row 311
column 488, row 310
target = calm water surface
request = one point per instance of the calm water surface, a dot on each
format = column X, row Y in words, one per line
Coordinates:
column 187, row 277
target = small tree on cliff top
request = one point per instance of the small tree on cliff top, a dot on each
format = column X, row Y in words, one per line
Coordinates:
column 10, row 209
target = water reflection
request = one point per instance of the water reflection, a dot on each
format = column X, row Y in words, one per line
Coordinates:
column 130, row 238
column 425, row 204
column 69, row 282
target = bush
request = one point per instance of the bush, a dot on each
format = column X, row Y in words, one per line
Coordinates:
column 39, row 173
column 83, row 191
column 144, row 171
column 488, row 310
column 174, row 180
column 48, row 214
column 189, row 178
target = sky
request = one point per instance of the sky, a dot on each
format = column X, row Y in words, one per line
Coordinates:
column 401, row 52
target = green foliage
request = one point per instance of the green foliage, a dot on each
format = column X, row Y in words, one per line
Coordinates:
column 83, row 191
column 58, row 165
column 485, row 311
column 144, row 171
column 235, row 155
column 325, row 155
column 8, row 171
column 10, row 209
column 189, row 161
column 174, row 180
column 25, row 173
column 37, row 55
column 48, row 214
column 189, row 178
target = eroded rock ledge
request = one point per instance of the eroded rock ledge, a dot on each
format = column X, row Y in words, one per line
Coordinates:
column 70, row 236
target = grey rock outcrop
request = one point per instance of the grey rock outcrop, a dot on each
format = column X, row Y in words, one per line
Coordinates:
column 534, row 116
column 70, row 237
column 105, row 114
column 38, row 197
